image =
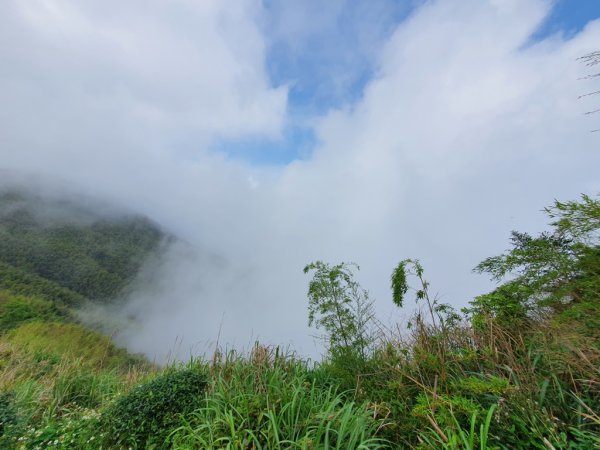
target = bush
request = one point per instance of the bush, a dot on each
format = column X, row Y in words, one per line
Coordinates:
column 145, row 417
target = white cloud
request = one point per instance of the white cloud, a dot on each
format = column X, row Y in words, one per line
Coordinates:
column 466, row 132
column 83, row 74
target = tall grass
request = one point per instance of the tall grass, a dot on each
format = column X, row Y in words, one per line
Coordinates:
column 457, row 437
column 268, row 401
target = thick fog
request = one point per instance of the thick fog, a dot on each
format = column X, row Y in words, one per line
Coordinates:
column 465, row 129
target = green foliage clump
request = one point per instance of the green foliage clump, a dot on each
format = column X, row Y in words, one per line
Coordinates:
column 551, row 274
column 399, row 283
column 492, row 385
column 148, row 414
column 509, row 305
column 444, row 408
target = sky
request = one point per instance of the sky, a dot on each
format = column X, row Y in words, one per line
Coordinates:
column 268, row 134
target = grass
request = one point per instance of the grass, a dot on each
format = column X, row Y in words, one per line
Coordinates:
column 473, row 438
column 55, row 340
column 273, row 402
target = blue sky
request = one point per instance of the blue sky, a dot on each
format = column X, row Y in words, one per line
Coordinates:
column 329, row 65
column 569, row 17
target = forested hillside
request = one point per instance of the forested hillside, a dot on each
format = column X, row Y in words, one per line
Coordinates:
column 518, row 369
column 65, row 251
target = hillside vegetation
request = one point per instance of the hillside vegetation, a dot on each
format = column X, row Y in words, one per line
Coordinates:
column 518, row 369
column 60, row 250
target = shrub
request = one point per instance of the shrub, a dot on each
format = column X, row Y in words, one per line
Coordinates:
column 145, row 417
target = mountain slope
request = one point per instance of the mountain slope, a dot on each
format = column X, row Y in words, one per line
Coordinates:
column 64, row 251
